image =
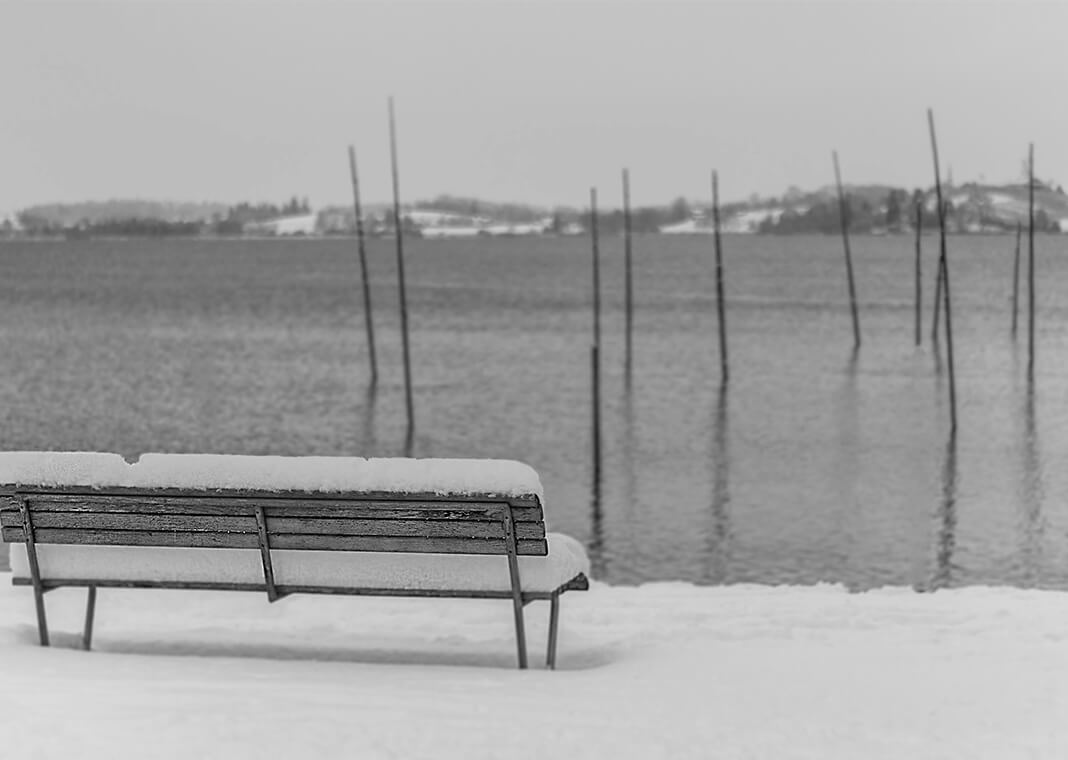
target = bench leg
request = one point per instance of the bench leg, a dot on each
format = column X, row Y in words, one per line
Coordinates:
column 35, row 571
column 520, row 633
column 90, row 610
column 42, row 623
column 517, row 590
column 554, row 619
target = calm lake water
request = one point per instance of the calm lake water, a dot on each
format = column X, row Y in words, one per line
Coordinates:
column 815, row 465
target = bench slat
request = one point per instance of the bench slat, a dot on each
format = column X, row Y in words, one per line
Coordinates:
column 94, row 521
column 457, row 545
column 536, row 547
column 243, row 524
column 202, row 539
column 7, row 492
column 360, row 512
column 398, row 509
column 426, row 528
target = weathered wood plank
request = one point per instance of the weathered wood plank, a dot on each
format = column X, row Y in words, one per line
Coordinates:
column 278, row 541
column 313, row 525
column 490, row 514
column 424, row 528
column 529, row 500
column 131, row 521
column 44, row 500
column 189, row 539
column 350, row 508
column 404, row 544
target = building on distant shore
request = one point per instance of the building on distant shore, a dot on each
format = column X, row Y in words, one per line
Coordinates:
column 304, row 224
column 438, row 224
column 743, row 222
column 9, row 224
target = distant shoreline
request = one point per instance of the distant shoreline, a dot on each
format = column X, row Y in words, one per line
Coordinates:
column 909, row 234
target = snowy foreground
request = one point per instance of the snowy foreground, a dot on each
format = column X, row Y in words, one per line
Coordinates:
column 658, row 671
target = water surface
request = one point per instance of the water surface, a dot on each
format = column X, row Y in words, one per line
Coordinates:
column 815, row 464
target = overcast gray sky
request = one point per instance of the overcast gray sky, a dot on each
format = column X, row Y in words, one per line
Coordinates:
column 528, row 101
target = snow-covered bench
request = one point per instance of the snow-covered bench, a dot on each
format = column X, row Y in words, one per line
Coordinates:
column 285, row 525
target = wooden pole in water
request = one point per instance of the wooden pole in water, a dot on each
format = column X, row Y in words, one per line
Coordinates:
column 595, row 350
column 844, row 216
column 628, row 283
column 595, row 369
column 1031, row 260
column 919, row 278
column 1016, row 279
column 400, row 270
column 943, row 265
column 938, row 284
column 938, row 290
column 596, row 268
column 362, row 248
column 720, row 304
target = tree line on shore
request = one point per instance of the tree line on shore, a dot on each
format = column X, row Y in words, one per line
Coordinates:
column 138, row 218
column 870, row 209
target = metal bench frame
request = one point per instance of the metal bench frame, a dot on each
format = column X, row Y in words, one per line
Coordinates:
column 495, row 507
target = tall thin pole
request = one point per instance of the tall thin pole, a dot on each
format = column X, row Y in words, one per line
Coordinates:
column 595, row 369
column 919, row 278
column 400, row 270
column 720, row 304
column 628, row 281
column 595, row 349
column 1016, row 279
column 362, row 248
column 1031, row 260
column 843, row 215
column 595, row 248
column 944, row 267
column 938, row 285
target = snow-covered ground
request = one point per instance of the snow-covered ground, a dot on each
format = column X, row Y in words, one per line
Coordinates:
column 658, row 671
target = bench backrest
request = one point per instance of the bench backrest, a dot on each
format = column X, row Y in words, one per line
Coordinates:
column 378, row 522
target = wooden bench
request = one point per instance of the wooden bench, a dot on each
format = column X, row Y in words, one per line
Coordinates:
column 306, row 542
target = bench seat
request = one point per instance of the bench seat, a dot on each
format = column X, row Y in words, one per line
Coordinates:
column 368, row 570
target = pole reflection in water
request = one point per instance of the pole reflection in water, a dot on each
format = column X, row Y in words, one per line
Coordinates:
column 629, row 498
column 595, row 548
column 1031, row 493
column 717, row 567
column 369, row 440
column 947, row 518
column 838, row 549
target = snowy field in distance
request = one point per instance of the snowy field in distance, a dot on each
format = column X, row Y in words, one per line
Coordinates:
column 657, row 671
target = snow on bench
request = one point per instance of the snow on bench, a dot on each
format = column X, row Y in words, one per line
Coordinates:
column 284, row 525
